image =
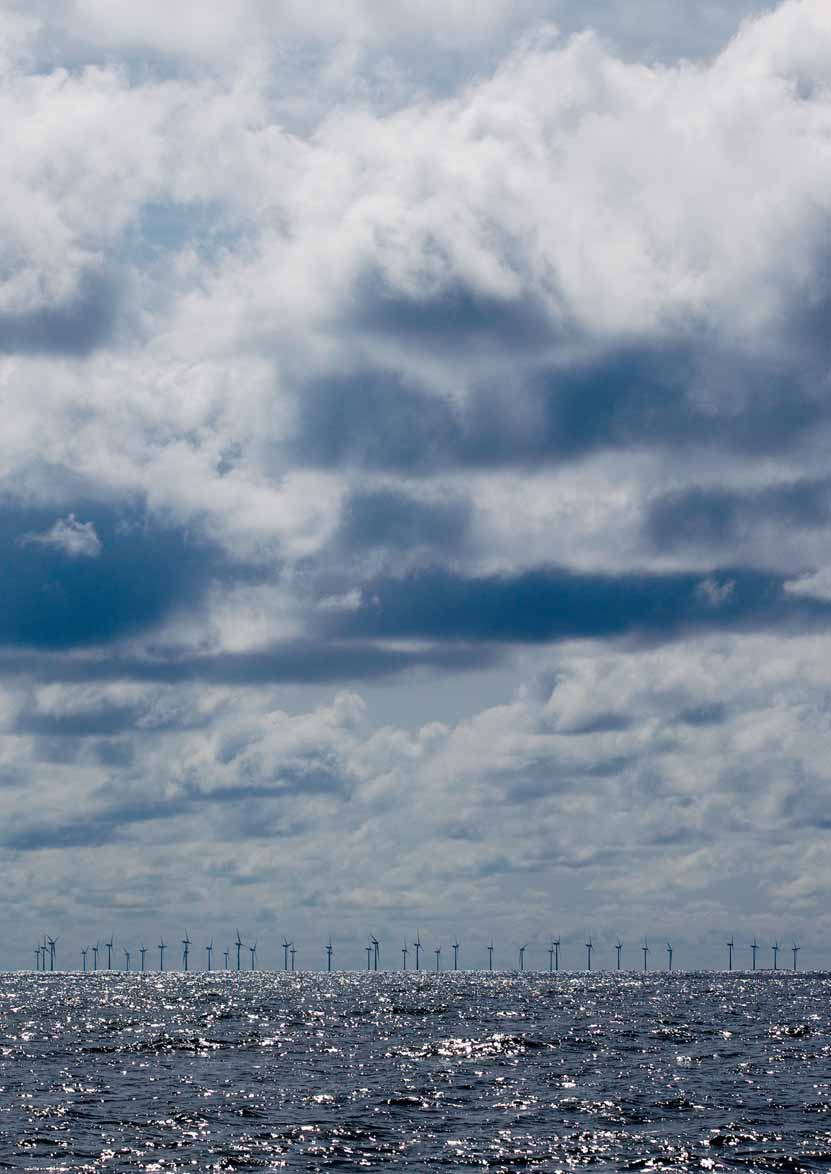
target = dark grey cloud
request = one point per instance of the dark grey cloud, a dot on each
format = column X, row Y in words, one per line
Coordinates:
column 391, row 519
column 629, row 398
column 104, row 720
column 307, row 661
column 125, row 573
column 715, row 516
column 708, row 714
column 554, row 603
column 74, row 327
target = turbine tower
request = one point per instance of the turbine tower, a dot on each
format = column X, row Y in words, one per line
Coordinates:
column 455, row 955
column 490, row 956
column 417, row 945
column 730, row 946
column 753, row 950
column 37, row 957
column 329, row 957
column 186, row 944
column 95, row 950
column 619, row 947
column 669, row 956
column 238, row 944
column 209, row 950
column 109, row 946
column 253, row 950
column 162, row 948
column 375, row 948
column 795, row 948
column 589, row 948
column 52, row 943
column 522, row 950
column 286, row 947
column 292, row 951
column 226, row 954
column 126, row 959
column 645, row 948
column 369, row 956
column 84, row 957
column 556, row 945
column 142, row 951
column 404, row 952
column 775, row 948
column 551, row 959
column 438, row 958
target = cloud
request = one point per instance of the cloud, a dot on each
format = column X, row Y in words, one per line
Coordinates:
column 72, row 327
column 76, row 539
column 553, row 604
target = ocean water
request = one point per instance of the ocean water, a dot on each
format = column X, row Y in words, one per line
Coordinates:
column 263, row 1071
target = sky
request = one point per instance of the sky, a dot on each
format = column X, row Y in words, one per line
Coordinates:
column 415, row 504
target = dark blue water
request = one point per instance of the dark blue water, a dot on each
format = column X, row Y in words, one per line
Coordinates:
column 315, row 1072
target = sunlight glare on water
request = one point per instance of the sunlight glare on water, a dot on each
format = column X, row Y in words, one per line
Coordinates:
column 264, row 1071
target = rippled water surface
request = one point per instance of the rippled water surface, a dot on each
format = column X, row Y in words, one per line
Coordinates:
column 264, row 1071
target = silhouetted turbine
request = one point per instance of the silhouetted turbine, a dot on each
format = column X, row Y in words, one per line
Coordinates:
column 186, row 943
column 589, row 949
column 126, row 959
column 226, row 954
column 490, row 956
column 209, row 950
column 84, row 957
column 95, row 950
column 238, row 944
column 522, row 950
column 329, row 957
column 619, row 947
column 292, row 951
column 730, row 946
column 142, row 951
column 551, row 958
column 375, row 946
column 455, row 955
column 253, row 950
column 52, row 943
column 417, row 945
column 669, row 956
column 404, row 952
column 775, row 948
column 286, row 947
column 109, row 946
column 369, row 956
column 438, row 958
column 556, row 945
column 795, row 948
column 753, row 950
column 162, row 948
column 645, row 948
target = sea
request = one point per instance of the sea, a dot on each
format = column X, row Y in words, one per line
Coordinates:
column 404, row 1071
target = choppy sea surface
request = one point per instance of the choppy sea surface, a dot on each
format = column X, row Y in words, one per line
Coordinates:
column 263, row 1071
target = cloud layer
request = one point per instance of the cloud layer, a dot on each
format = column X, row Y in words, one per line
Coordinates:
column 360, row 366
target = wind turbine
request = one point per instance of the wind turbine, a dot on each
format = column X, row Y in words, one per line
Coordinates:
column 438, row 958
column 253, row 950
column 369, row 956
column 375, row 946
column 645, row 948
column 226, row 955
column 84, row 957
column 730, row 945
column 37, row 957
column 619, row 947
column 589, row 949
column 669, row 956
column 775, row 948
column 52, row 943
column 95, row 950
column 109, row 946
column 404, row 952
column 417, row 944
column 238, row 944
column 142, row 951
column 126, row 959
column 455, row 955
column 162, row 948
column 210, row 949
column 522, row 950
column 490, row 956
column 292, row 951
column 753, row 950
column 186, row 944
column 551, row 959
column 795, row 948
column 329, row 957
column 286, row 947
column 556, row 945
